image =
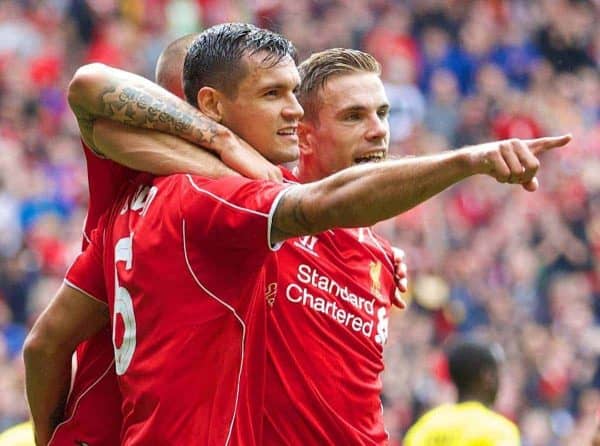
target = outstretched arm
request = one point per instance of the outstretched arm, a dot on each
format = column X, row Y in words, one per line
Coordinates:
column 363, row 195
column 99, row 91
column 70, row 318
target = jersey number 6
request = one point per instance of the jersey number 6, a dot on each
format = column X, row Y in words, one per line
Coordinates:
column 123, row 307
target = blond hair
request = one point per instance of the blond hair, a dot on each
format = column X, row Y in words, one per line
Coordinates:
column 320, row 67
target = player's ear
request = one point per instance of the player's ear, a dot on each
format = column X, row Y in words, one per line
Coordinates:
column 209, row 103
column 306, row 137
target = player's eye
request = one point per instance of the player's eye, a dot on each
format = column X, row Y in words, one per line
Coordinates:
column 272, row 93
column 352, row 117
column 383, row 113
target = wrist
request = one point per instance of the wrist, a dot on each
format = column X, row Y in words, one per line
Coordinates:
column 224, row 140
column 212, row 136
column 469, row 162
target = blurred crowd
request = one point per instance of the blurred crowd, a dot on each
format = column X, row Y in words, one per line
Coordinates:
column 486, row 260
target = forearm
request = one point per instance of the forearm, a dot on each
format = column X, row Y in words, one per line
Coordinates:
column 47, row 380
column 364, row 195
column 155, row 152
column 100, row 91
column 70, row 318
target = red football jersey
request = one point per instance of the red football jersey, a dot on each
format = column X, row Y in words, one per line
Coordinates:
column 105, row 180
column 326, row 332
column 93, row 414
column 185, row 262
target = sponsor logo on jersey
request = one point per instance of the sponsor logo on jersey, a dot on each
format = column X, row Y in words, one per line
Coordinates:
column 323, row 294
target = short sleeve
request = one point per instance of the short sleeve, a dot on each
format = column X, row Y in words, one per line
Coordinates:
column 232, row 212
column 105, row 180
column 86, row 273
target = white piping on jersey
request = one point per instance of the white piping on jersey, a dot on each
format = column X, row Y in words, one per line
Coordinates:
column 277, row 246
column 84, row 393
column 85, row 236
column 235, row 314
column 74, row 368
column 223, row 200
column 269, row 216
column 380, row 247
column 75, row 287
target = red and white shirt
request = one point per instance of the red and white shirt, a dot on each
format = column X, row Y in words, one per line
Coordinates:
column 326, row 330
column 186, row 263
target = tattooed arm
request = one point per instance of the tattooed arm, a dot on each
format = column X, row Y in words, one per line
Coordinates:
column 99, row 91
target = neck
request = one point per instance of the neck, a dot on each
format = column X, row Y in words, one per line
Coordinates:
column 307, row 171
column 469, row 396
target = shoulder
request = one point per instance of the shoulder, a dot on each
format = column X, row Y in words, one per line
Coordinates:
column 433, row 415
column 494, row 425
column 234, row 192
column 426, row 423
column 505, row 427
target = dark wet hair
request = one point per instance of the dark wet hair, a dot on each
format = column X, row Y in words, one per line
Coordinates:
column 466, row 362
column 215, row 59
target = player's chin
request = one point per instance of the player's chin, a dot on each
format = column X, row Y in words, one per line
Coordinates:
column 287, row 153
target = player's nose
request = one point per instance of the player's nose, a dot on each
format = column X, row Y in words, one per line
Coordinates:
column 378, row 128
column 293, row 111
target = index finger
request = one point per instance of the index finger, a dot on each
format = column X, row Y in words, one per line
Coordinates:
column 539, row 145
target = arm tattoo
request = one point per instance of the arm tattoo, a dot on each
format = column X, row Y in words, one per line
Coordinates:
column 300, row 216
column 291, row 219
column 133, row 106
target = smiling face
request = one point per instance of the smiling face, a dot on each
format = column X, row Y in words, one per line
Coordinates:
column 350, row 126
column 264, row 110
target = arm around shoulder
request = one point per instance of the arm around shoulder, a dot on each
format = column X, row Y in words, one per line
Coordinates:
column 99, row 91
column 155, row 152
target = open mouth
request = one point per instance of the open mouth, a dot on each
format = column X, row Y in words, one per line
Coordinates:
column 371, row 157
column 288, row 131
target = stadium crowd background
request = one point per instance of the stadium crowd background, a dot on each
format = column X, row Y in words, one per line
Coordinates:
column 491, row 261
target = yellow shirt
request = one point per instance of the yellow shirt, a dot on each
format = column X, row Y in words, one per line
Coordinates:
column 463, row 424
column 19, row 435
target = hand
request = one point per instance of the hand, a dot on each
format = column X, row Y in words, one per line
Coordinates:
column 243, row 158
column 400, row 276
column 514, row 160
